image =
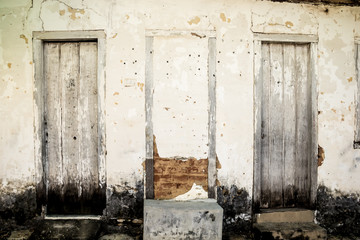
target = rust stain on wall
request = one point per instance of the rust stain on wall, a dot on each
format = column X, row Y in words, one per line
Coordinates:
column 9, row 65
column 321, row 155
column 62, row 12
column 350, row 79
column 25, row 38
column 174, row 176
column 289, row 24
column 195, row 20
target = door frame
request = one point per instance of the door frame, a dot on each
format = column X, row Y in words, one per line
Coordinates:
column 257, row 68
column 150, row 34
column 41, row 166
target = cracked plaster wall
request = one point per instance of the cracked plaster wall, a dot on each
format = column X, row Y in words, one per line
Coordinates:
column 234, row 21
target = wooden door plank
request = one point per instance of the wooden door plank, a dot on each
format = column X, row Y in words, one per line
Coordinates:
column 87, row 115
column 276, row 124
column 53, row 116
column 303, row 125
column 289, row 124
column 69, row 78
column 264, row 142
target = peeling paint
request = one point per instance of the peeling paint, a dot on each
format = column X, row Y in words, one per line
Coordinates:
column 224, row 19
column 73, row 12
column 195, row 20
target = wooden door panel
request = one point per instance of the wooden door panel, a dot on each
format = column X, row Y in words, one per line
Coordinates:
column 72, row 128
column 285, row 125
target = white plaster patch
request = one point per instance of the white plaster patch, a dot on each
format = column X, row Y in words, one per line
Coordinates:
column 196, row 192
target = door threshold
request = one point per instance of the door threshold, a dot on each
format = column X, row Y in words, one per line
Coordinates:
column 271, row 210
column 73, row 217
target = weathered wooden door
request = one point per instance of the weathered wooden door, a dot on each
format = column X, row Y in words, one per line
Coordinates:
column 71, row 128
column 285, row 144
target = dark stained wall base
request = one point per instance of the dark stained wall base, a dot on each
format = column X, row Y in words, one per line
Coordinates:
column 19, row 206
column 337, row 212
column 127, row 204
column 236, row 204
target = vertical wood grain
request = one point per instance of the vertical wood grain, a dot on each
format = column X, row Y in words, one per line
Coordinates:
column 69, row 77
column 87, row 118
column 258, row 92
column 357, row 127
column 276, row 123
column 53, row 126
column 289, row 124
column 265, row 131
column 303, row 114
column 286, row 125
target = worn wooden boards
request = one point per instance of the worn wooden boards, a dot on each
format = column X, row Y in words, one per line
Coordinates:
column 71, row 128
column 285, row 144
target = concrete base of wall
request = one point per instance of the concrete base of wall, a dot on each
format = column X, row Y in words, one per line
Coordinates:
column 288, row 231
column 287, row 223
column 285, row 215
column 180, row 220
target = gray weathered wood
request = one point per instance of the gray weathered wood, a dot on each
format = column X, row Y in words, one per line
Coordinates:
column 314, row 124
column 284, row 111
column 149, row 164
column 87, row 118
column 69, row 35
column 69, row 77
column 303, row 116
column 101, row 84
column 212, row 119
column 357, row 112
column 53, row 98
column 276, row 123
column 289, row 124
column 286, row 38
column 258, row 75
column 39, row 124
column 265, row 130
column 40, row 39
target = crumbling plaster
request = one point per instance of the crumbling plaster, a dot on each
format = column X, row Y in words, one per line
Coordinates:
column 124, row 23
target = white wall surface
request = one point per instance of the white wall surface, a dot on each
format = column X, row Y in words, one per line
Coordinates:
column 124, row 23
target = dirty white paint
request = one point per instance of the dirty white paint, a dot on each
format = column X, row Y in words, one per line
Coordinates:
column 180, row 100
column 124, row 23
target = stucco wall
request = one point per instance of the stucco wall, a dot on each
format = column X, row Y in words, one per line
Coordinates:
column 124, row 23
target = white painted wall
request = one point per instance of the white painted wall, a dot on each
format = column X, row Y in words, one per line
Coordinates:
column 124, row 23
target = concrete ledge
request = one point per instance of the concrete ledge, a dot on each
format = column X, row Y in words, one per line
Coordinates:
column 182, row 220
column 289, row 231
column 285, row 215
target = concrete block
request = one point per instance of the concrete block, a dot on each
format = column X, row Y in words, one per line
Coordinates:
column 182, row 220
column 289, row 231
column 285, row 215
